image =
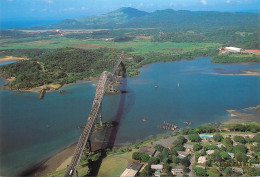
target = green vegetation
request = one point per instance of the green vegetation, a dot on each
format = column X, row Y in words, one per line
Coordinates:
column 235, row 58
column 194, row 137
column 217, row 137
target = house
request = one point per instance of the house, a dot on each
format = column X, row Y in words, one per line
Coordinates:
column 209, row 152
column 188, row 147
column 182, row 154
column 232, row 49
column 132, row 170
column 220, row 145
column 248, row 154
column 254, row 143
column 202, row 159
column 199, row 166
column 232, row 155
column 177, row 170
column 232, row 135
column 148, row 150
column 158, row 168
column 237, row 170
column 256, row 165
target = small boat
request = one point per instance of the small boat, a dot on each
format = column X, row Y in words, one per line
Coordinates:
column 144, row 119
column 187, row 123
column 156, row 86
column 48, row 126
column 178, row 84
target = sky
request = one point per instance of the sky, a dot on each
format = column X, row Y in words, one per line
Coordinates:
column 67, row 9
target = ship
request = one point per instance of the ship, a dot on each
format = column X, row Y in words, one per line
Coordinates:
column 144, row 119
column 187, row 123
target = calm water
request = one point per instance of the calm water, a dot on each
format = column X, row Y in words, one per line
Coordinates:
column 201, row 98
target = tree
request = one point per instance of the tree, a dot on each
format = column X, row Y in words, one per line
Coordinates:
column 240, row 148
column 194, row 137
column 228, row 171
column 182, row 139
column 224, row 155
column 185, row 162
column 227, row 142
column 241, row 157
column 146, row 171
column 214, row 172
column 240, row 139
column 153, row 160
column 186, row 170
column 197, row 147
column 217, row 137
column 256, row 138
column 199, row 171
column 136, row 156
column 144, row 157
column 159, row 147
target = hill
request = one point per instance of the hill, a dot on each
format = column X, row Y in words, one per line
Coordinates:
column 115, row 18
column 129, row 17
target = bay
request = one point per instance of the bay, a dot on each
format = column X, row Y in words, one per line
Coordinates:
column 33, row 130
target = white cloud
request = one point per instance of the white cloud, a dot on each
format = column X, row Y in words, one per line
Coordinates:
column 69, row 9
column 204, row 2
column 171, row 4
column 48, row 1
column 228, row 1
column 84, row 8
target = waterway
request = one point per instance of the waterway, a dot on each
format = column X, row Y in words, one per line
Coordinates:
column 32, row 130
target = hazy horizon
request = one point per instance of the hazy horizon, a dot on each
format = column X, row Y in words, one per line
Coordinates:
column 65, row 9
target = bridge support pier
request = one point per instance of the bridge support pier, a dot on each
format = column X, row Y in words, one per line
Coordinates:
column 88, row 146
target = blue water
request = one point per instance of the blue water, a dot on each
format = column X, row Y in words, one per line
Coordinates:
column 200, row 98
column 205, row 136
column 25, row 23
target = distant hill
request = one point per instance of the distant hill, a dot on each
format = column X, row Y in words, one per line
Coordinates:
column 182, row 19
column 115, row 18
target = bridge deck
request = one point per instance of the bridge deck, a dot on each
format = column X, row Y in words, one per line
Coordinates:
column 104, row 80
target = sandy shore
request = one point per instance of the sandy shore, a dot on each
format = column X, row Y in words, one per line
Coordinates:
column 57, row 162
column 250, row 72
column 245, row 115
column 9, row 58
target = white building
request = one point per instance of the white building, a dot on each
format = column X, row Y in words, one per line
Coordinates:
column 233, row 49
column 202, row 159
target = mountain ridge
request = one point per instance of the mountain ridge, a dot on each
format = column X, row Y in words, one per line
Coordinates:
column 131, row 17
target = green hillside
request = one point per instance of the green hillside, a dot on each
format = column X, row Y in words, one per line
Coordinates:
column 117, row 17
column 182, row 19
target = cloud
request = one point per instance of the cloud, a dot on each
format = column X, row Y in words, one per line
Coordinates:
column 69, row 9
column 48, row 1
column 228, row 1
column 204, row 2
column 84, row 8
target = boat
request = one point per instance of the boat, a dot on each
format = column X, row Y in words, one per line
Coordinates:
column 156, row 86
column 178, row 84
column 187, row 123
column 144, row 119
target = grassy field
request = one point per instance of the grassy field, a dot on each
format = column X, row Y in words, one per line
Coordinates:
column 115, row 164
column 137, row 46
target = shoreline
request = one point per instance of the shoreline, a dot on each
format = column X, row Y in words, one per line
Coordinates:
column 10, row 58
column 52, row 87
column 60, row 160
column 54, row 163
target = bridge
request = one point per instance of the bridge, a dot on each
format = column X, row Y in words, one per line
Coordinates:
column 105, row 82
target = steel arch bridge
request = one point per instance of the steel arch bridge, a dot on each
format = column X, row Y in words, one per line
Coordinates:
column 105, row 82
